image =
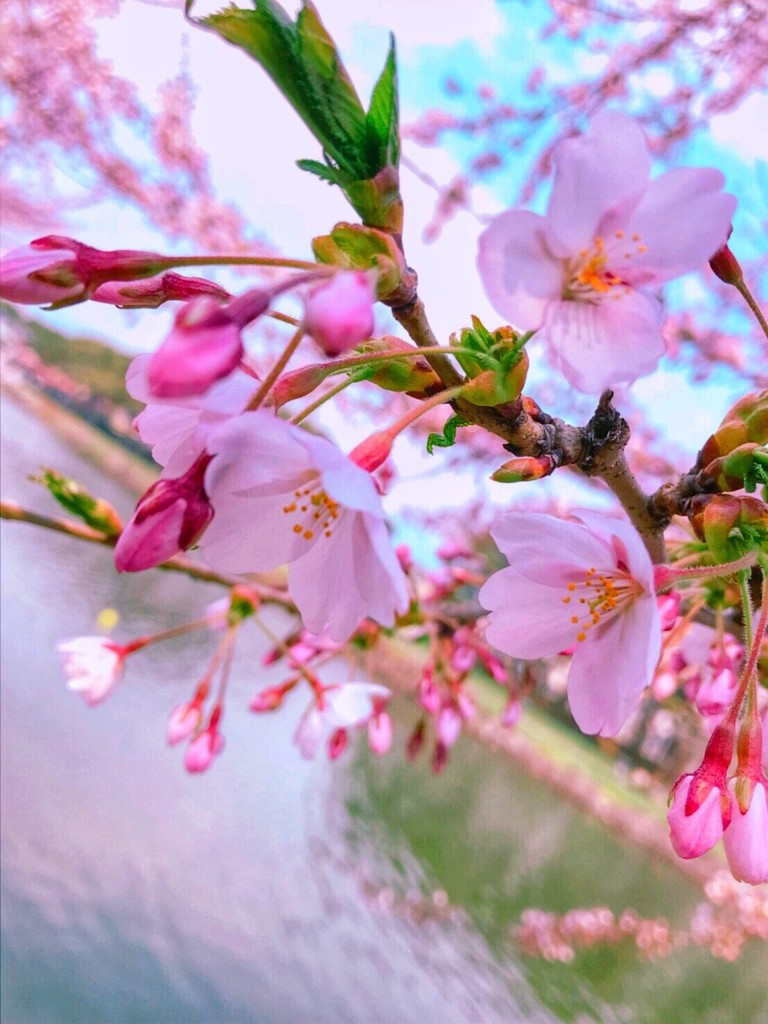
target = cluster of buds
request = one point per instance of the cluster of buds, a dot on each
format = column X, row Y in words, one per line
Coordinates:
column 730, row 525
column 713, row 802
column 735, row 455
column 496, row 363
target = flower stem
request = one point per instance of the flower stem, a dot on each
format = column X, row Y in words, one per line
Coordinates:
column 329, row 394
column 743, row 289
column 667, row 575
column 239, row 261
column 277, row 369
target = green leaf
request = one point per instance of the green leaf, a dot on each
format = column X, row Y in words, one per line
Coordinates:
column 382, row 120
column 448, row 437
column 95, row 512
column 330, row 174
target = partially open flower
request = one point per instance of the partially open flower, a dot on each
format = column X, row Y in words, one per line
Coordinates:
column 92, row 665
column 339, row 708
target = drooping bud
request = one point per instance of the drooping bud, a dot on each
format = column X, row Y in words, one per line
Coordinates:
column 373, row 451
column 168, row 519
column 339, row 314
column 337, row 743
column 204, row 748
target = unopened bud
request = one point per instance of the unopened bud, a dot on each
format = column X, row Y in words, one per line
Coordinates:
column 525, row 468
column 726, row 266
column 373, row 451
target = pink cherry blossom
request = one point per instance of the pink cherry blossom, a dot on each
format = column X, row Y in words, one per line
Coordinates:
column 183, row 721
column 339, row 314
column 380, row 732
column 201, row 752
column 584, row 275
column 340, row 707
column 92, row 665
column 585, row 585
column 746, row 838
column 168, row 519
column 695, row 819
column 283, row 496
column 177, row 429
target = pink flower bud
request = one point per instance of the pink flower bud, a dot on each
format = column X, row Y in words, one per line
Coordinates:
column 746, row 838
column 669, row 607
column 269, row 699
column 416, row 740
column 429, row 695
column 449, row 722
column 168, row 519
column 35, row 275
column 339, row 314
column 183, row 721
column 716, row 692
column 154, row 291
column 439, row 758
column 373, row 451
column 695, row 816
column 513, row 709
column 205, row 747
column 298, row 383
column 726, row 266
column 204, row 346
column 380, row 733
column 337, row 743
column 404, row 557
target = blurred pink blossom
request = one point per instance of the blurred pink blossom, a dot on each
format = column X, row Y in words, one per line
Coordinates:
column 92, row 665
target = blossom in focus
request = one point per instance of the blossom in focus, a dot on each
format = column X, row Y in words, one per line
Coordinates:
column 339, row 314
column 177, row 428
column 584, row 275
column 339, row 707
column 746, row 838
column 584, row 585
column 283, row 496
column 92, row 665
column 168, row 519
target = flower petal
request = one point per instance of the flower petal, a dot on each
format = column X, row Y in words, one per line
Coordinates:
column 527, row 620
column 605, row 168
column 612, row 667
column 682, row 219
column 603, row 344
column 519, row 274
column 546, row 549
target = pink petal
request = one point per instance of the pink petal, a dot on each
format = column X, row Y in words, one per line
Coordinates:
column 519, row 274
column 597, row 172
column 681, row 220
column 527, row 620
column 549, row 550
column 612, row 667
column 638, row 560
column 603, row 344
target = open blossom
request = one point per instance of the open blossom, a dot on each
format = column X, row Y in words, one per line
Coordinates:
column 341, row 707
column 177, row 428
column 584, row 275
column 92, row 665
column 584, row 585
column 282, row 496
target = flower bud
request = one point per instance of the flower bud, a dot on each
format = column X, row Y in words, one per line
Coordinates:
column 298, row 383
column 36, row 275
column 746, row 838
column 412, row 374
column 154, row 291
column 380, row 733
column 373, row 451
column 183, row 721
column 339, row 314
column 168, row 519
column 525, row 468
column 695, row 816
column 726, row 266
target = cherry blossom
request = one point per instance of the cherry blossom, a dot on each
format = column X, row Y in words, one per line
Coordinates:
column 177, row 428
column 21, row 280
column 92, row 665
column 338, row 707
column 584, row 275
column 283, row 496
column 585, row 585
column 339, row 314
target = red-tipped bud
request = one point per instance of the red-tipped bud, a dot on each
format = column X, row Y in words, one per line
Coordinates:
column 337, row 743
column 299, row 383
column 525, row 468
column 726, row 266
column 373, row 451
